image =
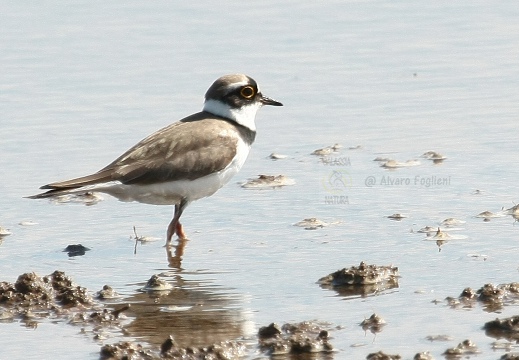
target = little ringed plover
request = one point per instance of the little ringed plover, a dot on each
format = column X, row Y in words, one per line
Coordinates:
column 185, row 161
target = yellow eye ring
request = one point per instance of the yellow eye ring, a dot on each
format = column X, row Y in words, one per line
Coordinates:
column 247, row 92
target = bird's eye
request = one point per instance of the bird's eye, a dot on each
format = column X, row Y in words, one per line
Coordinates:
column 247, row 92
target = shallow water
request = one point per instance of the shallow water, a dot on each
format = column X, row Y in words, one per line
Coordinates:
column 82, row 83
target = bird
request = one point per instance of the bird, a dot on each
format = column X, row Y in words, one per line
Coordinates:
column 185, row 161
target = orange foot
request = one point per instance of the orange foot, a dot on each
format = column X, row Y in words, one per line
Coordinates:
column 179, row 230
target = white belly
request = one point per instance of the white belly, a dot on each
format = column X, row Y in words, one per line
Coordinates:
column 170, row 193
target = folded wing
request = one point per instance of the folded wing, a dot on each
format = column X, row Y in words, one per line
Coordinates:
column 186, row 150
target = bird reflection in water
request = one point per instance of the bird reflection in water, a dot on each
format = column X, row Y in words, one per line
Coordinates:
column 192, row 311
column 175, row 258
column 174, row 252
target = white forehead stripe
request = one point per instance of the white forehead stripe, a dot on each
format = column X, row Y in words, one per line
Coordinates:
column 235, row 85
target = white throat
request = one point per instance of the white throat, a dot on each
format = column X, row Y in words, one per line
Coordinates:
column 244, row 116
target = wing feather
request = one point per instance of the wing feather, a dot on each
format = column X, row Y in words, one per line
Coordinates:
column 193, row 147
column 181, row 151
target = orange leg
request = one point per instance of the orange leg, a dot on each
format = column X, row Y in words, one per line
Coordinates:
column 171, row 232
column 175, row 227
column 179, row 230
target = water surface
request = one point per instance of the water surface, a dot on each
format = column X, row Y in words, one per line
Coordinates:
column 83, row 82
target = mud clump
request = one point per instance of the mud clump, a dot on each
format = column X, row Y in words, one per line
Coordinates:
column 361, row 280
column 155, row 283
column 124, row 350
column 463, row 349
column 423, row 356
column 88, row 198
column 32, row 298
column 507, row 328
column 327, row 150
column 99, row 317
column 76, row 250
column 42, row 293
column 374, row 324
column 299, row 338
column 363, row 274
column 382, row 356
column 107, row 292
column 509, row 357
column 397, row 216
column 436, row 157
column 492, row 297
column 314, row 223
column 4, row 232
column 268, row 182
column 223, row 350
column 169, row 350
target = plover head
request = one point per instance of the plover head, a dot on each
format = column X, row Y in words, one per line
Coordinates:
column 236, row 97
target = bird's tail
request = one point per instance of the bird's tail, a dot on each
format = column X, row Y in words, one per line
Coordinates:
column 53, row 192
column 73, row 186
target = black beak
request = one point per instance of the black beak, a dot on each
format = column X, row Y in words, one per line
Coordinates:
column 268, row 101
